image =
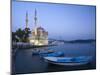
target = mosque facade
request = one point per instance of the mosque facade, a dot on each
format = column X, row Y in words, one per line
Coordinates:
column 39, row 36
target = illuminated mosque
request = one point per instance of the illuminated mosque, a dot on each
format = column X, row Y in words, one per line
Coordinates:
column 39, row 36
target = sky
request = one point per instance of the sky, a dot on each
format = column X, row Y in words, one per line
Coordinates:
column 62, row 21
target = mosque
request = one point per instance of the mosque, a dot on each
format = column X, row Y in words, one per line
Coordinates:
column 39, row 36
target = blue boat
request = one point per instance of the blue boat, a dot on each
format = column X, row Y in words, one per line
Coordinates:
column 40, row 52
column 69, row 61
column 54, row 54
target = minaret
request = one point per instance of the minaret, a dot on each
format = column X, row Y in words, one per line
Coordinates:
column 26, row 19
column 35, row 18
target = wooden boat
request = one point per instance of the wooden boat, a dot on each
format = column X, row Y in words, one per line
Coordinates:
column 39, row 52
column 54, row 54
column 69, row 61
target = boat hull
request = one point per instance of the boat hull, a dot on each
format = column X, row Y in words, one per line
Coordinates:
column 68, row 62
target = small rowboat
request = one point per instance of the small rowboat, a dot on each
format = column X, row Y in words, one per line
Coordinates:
column 54, row 54
column 69, row 61
column 39, row 52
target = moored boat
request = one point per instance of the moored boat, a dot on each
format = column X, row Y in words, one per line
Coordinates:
column 69, row 61
column 54, row 54
column 39, row 52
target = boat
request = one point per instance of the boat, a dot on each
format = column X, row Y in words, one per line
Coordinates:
column 54, row 54
column 38, row 52
column 69, row 61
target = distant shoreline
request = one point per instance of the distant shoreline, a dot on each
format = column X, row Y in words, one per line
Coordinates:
column 82, row 41
column 79, row 41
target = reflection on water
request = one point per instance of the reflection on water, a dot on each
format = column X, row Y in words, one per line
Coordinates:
column 26, row 63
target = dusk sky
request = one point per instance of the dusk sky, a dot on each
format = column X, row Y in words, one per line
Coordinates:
column 62, row 21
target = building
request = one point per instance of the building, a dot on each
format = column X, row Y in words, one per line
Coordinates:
column 39, row 35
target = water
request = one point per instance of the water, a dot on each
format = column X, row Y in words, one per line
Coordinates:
column 26, row 63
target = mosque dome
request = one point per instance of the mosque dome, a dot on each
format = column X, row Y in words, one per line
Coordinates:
column 40, row 28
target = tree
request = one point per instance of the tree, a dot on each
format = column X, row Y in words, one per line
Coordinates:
column 20, row 34
column 14, row 38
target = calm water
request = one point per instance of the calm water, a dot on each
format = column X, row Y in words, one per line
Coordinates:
column 26, row 63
